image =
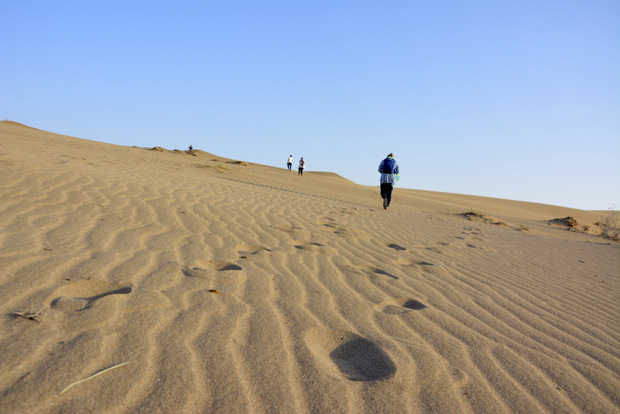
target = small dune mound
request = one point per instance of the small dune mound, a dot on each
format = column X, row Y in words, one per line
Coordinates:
column 192, row 152
column 479, row 217
column 188, row 152
column 570, row 222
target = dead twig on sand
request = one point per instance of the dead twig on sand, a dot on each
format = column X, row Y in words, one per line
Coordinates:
column 93, row 376
column 28, row 315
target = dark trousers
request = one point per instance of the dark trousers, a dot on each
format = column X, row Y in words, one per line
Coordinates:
column 300, row 171
column 386, row 192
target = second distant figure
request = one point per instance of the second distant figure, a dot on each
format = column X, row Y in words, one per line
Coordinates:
column 302, row 165
column 289, row 162
column 389, row 170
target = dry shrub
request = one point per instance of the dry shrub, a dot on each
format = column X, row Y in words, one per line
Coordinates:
column 610, row 224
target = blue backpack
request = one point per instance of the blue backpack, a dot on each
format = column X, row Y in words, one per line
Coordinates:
column 388, row 166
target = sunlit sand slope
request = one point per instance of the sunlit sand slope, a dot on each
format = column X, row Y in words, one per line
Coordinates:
column 232, row 287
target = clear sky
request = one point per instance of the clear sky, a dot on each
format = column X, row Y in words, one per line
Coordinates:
column 509, row 99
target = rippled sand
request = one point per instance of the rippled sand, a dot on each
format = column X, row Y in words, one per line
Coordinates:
column 233, row 287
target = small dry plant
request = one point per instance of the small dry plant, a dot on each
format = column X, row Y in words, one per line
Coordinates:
column 32, row 316
column 610, row 224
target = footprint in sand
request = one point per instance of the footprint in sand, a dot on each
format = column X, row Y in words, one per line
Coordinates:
column 398, row 306
column 343, row 231
column 212, row 272
column 246, row 250
column 372, row 270
column 305, row 245
column 346, row 354
column 471, row 230
column 218, row 265
column 287, row 228
column 335, row 228
column 441, row 251
column 82, row 294
column 220, row 275
column 396, row 247
column 421, row 265
column 405, row 261
column 434, row 249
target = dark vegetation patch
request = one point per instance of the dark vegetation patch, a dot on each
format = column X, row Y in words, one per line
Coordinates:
column 477, row 216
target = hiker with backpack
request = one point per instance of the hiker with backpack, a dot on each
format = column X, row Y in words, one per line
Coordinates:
column 389, row 170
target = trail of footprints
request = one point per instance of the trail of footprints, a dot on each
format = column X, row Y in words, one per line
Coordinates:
column 345, row 354
column 342, row 353
column 357, row 358
column 473, row 237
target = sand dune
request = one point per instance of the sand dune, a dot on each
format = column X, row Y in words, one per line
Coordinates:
column 228, row 286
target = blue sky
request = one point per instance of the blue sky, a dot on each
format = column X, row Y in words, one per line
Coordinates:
column 508, row 99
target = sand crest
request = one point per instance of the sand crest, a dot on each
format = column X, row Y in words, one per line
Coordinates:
column 142, row 280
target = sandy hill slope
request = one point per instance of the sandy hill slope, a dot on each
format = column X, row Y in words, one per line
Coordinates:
column 148, row 280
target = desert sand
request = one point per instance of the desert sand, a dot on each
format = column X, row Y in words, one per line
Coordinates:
column 140, row 280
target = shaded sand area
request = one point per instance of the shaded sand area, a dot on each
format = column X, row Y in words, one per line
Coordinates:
column 226, row 286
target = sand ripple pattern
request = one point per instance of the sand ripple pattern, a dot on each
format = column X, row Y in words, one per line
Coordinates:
column 241, row 288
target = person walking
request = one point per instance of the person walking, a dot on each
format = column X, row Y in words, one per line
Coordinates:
column 289, row 162
column 389, row 170
column 302, row 165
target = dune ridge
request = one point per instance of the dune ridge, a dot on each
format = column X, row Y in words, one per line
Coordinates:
column 229, row 286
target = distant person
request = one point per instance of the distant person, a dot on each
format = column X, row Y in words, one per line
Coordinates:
column 191, row 148
column 289, row 162
column 389, row 170
column 302, row 165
